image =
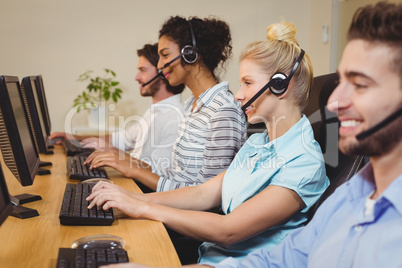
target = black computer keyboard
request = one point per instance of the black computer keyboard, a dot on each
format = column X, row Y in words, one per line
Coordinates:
column 93, row 257
column 74, row 209
column 78, row 171
column 73, row 147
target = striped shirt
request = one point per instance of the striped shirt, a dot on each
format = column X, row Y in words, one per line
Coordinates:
column 209, row 138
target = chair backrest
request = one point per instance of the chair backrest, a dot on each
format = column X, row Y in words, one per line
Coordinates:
column 339, row 167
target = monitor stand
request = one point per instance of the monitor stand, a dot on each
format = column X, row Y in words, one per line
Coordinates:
column 43, row 171
column 48, row 152
column 45, row 164
column 23, row 212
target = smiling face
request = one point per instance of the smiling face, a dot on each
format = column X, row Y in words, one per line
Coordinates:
column 169, row 50
column 146, row 71
column 369, row 91
column 252, row 79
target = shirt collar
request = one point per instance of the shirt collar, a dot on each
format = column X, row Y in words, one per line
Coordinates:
column 207, row 96
column 393, row 193
column 261, row 143
column 175, row 99
column 365, row 185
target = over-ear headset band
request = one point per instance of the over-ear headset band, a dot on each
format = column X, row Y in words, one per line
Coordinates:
column 298, row 61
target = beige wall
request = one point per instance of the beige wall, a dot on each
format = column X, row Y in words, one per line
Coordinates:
column 62, row 39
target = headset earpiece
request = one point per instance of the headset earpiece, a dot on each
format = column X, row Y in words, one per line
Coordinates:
column 279, row 83
column 189, row 52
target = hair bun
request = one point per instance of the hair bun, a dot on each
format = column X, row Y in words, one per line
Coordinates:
column 284, row 31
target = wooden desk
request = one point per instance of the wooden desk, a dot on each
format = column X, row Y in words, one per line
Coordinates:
column 35, row 242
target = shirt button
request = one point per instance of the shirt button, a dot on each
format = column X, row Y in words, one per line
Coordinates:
column 358, row 228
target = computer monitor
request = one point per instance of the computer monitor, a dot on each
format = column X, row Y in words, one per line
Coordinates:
column 16, row 140
column 35, row 115
column 5, row 202
column 40, row 89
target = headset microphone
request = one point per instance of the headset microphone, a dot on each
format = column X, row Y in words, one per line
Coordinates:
column 380, row 125
column 262, row 90
column 158, row 75
column 278, row 83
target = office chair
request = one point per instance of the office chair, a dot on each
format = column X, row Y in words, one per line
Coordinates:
column 339, row 167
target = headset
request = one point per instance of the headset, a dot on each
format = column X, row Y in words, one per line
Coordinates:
column 278, row 83
column 364, row 134
column 188, row 54
column 158, row 75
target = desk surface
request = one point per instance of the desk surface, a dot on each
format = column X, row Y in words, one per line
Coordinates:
column 35, row 242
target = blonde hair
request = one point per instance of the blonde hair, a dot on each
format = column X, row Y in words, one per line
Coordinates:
column 278, row 54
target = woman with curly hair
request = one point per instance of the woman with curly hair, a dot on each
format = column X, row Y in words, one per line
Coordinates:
column 213, row 127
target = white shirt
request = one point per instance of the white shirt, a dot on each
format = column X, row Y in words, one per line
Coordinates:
column 151, row 137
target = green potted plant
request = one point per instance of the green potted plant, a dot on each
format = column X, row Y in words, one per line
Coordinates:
column 99, row 89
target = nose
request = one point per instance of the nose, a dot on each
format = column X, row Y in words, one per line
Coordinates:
column 160, row 63
column 240, row 95
column 137, row 77
column 340, row 98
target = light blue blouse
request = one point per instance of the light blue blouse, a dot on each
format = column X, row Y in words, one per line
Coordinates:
column 293, row 161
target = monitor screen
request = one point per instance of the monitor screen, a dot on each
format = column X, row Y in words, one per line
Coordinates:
column 40, row 90
column 22, row 123
column 16, row 140
column 34, row 112
column 5, row 203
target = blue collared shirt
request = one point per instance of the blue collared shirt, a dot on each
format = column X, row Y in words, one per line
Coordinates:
column 341, row 234
column 294, row 161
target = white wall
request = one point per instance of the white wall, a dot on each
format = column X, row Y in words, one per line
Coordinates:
column 62, row 39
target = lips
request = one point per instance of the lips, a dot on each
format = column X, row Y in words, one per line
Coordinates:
column 249, row 108
column 167, row 75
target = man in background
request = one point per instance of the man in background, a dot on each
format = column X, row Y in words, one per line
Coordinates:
column 152, row 136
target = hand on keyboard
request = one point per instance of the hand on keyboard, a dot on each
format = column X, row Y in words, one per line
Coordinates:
column 106, row 196
column 118, row 160
column 78, row 170
column 74, row 209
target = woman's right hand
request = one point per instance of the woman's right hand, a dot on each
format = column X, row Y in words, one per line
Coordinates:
column 106, row 195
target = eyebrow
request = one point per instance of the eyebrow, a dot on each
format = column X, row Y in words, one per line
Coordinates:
column 352, row 74
column 163, row 49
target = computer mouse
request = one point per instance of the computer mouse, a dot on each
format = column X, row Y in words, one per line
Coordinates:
column 103, row 241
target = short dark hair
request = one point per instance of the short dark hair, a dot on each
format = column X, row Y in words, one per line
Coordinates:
column 150, row 52
column 213, row 38
column 380, row 23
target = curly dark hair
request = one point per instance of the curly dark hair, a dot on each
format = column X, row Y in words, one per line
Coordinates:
column 380, row 23
column 150, row 52
column 213, row 39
